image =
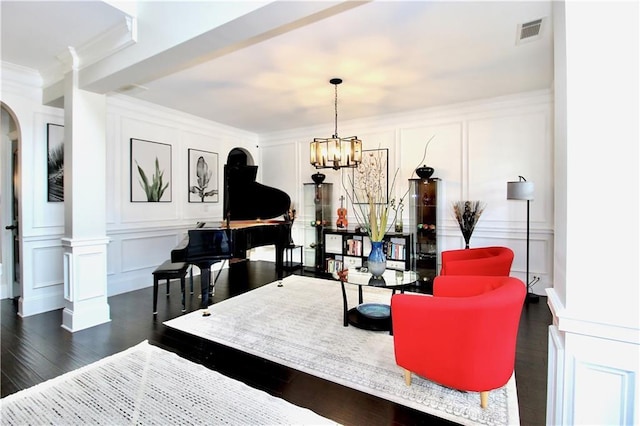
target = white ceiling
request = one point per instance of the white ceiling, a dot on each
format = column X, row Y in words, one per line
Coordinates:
column 393, row 56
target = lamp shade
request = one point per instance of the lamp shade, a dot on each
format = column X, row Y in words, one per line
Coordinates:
column 521, row 190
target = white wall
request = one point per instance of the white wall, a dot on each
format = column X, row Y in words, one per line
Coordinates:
column 141, row 234
column 39, row 232
column 478, row 147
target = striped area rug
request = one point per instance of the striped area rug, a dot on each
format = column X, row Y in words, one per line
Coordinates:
column 148, row 385
column 299, row 325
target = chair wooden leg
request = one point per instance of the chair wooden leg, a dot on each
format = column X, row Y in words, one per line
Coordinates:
column 407, row 377
column 484, row 399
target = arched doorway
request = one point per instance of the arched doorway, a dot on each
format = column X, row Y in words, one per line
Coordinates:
column 10, row 279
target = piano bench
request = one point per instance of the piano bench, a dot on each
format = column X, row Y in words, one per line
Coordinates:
column 170, row 271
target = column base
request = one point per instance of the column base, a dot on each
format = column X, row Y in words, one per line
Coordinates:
column 85, row 314
column 85, row 283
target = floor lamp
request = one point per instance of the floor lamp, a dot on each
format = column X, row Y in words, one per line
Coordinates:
column 523, row 190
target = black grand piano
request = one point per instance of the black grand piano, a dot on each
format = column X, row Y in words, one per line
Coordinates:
column 250, row 209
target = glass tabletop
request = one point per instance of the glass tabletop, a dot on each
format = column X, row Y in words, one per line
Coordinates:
column 390, row 278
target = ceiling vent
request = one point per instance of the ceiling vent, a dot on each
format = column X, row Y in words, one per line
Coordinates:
column 530, row 31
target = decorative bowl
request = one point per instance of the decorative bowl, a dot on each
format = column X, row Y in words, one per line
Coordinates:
column 318, row 178
column 424, row 172
column 374, row 310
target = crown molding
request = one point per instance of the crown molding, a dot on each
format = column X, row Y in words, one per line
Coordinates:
column 114, row 39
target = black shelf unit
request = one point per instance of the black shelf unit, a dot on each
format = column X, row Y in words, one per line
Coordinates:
column 347, row 248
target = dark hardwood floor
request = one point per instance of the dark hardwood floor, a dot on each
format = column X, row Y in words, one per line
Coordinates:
column 36, row 348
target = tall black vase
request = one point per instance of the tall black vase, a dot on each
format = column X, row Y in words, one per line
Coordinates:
column 467, row 238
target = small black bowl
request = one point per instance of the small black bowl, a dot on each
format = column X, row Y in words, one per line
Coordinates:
column 424, row 172
column 318, row 178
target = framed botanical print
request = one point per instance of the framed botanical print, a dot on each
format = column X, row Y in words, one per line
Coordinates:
column 150, row 171
column 203, row 176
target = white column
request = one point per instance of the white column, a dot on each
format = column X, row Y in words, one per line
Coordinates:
column 594, row 342
column 85, row 241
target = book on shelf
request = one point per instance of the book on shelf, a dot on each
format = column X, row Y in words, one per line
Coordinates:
column 354, row 247
column 334, row 265
column 395, row 250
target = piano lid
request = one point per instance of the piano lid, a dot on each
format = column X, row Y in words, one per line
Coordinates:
column 246, row 199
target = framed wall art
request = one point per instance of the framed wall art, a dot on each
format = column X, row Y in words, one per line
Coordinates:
column 55, row 162
column 150, row 171
column 203, row 176
column 371, row 176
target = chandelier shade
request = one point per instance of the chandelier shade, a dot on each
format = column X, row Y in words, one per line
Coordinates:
column 335, row 152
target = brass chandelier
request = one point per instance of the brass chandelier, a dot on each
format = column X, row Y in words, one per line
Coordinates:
column 336, row 152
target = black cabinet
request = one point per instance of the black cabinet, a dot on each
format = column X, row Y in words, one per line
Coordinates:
column 317, row 216
column 424, row 225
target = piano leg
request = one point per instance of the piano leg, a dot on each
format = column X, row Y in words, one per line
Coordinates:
column 205, row 283
column 280, row 261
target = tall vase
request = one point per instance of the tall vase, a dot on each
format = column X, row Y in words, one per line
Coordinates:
column 377, row 261
column 467, row 238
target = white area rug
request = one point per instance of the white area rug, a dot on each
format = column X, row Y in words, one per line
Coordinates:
column 148, row 385
column 300, row 325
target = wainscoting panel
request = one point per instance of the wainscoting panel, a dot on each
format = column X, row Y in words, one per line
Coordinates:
column 540, row 251
column 501, row 148
column 619, row 401
column 42, row 276
column 444, row 154
column 604, row 385
column 142, row 252
column 53, row 273
column 87, row 265
column 555, row 375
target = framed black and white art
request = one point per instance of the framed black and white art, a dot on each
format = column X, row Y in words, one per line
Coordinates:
column 150, row 171
column 203, row 176
column 55, row 162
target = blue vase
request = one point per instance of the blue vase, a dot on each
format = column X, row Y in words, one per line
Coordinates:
column 377, row 261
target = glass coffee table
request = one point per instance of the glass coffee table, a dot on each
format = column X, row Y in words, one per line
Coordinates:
column 372, row 316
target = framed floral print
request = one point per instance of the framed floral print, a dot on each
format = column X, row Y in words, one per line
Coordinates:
column 203, row 176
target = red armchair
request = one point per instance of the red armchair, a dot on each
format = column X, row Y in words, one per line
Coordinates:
column 477, row 261
column 463, row 337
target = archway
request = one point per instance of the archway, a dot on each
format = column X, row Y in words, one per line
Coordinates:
column 10, row 272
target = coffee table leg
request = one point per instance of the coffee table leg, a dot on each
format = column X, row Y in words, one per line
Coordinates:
column 344, row 305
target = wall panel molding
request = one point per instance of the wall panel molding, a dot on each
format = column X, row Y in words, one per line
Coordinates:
column 555, row 376
column 142, row 252
column 603, row 380
column 47, row 266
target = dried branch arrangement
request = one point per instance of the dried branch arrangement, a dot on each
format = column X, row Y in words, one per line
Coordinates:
column 467, row 214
